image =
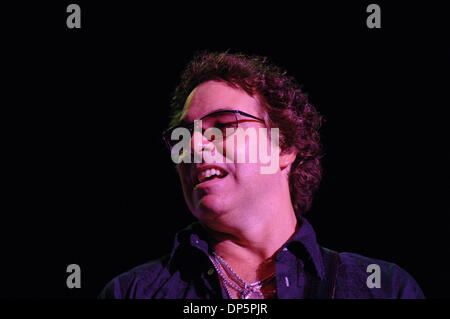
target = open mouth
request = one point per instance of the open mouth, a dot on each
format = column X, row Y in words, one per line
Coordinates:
column 208, row 174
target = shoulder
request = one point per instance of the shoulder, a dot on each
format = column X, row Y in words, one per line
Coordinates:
column 137, row 282
column 167, row 277
column 363, row 277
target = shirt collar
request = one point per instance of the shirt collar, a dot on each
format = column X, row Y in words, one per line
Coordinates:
column 191, row 237
column 303, row 244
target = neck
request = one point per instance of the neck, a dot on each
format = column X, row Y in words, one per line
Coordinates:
column 250, row 250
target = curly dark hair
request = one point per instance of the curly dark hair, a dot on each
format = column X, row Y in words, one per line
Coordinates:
column 286, row 104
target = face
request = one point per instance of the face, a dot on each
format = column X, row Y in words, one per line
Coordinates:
column 232, row 197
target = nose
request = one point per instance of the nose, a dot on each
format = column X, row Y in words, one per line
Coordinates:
column 199, row 144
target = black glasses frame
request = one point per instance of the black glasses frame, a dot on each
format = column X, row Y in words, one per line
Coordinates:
column 166, row 136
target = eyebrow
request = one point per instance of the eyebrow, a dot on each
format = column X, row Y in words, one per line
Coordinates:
column 224, row 108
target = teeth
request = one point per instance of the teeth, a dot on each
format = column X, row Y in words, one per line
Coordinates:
column 208, row 173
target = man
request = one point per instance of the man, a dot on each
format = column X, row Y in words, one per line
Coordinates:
column 251, row 239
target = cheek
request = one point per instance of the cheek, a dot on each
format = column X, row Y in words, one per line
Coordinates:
column 243, row 147
column 184, row 179
column 187, row 190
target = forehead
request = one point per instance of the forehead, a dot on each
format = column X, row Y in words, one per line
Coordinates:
column 215, row 95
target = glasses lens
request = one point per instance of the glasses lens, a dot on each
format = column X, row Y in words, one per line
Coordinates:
column 217, row 126
column 225, row 122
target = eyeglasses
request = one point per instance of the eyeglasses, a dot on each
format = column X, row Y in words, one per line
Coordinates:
column 227, row 121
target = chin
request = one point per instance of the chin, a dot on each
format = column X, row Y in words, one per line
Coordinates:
column 209, row 207
column 211, row 203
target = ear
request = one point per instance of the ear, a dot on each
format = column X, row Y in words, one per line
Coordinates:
column 286, row 159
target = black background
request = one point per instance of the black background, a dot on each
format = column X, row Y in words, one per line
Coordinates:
column 87, row 179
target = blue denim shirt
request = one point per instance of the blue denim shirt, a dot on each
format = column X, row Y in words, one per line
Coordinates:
column 301, row 266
